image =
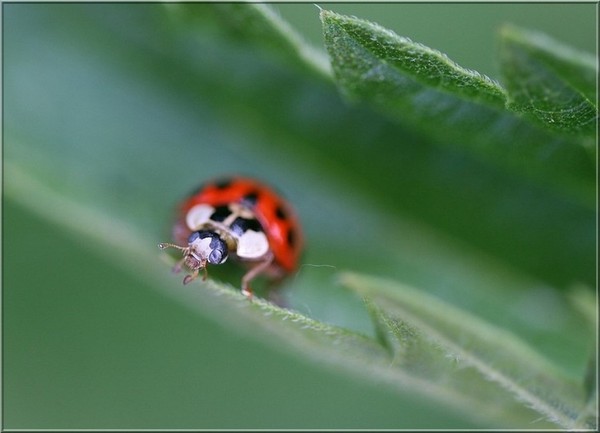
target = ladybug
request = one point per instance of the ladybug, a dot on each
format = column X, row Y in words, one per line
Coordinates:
column 239, row 217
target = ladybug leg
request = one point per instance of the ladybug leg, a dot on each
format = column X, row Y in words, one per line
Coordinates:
column 178, row 266
column 190, row 277
column 253, row 273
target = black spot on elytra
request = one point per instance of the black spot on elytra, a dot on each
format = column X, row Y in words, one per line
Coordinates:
column 291, row 238
column 281, row 213
column 250, row 199
column 219, row 184
column 240, row 225
column 223, row 183
column 220, row 213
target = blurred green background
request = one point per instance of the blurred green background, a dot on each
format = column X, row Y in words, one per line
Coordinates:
column 124, row 108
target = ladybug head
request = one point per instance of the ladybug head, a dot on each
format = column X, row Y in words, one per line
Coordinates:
column 204, row 246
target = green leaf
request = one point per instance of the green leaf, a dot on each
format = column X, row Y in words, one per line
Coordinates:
column 419, row 366
column 114, row 112
column 584, row 302
column 122, row 244
column 552, row 83
column 364, row 53
column 425, row 360
column 257, row 23
column 497, row 354
column 458, row 107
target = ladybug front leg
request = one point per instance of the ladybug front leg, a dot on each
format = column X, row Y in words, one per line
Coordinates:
column 258, row 269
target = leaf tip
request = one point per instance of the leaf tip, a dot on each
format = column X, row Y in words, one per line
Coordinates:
column 325, row 14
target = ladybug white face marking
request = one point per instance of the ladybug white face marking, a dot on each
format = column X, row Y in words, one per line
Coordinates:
column 206, row 246
column 252, row 245
column 198, row 216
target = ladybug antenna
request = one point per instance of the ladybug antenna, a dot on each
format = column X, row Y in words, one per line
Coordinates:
column 165, row 245
column 192, row 262
column 186, row 250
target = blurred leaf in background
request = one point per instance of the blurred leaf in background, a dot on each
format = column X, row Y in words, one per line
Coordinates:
column 113, row 112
